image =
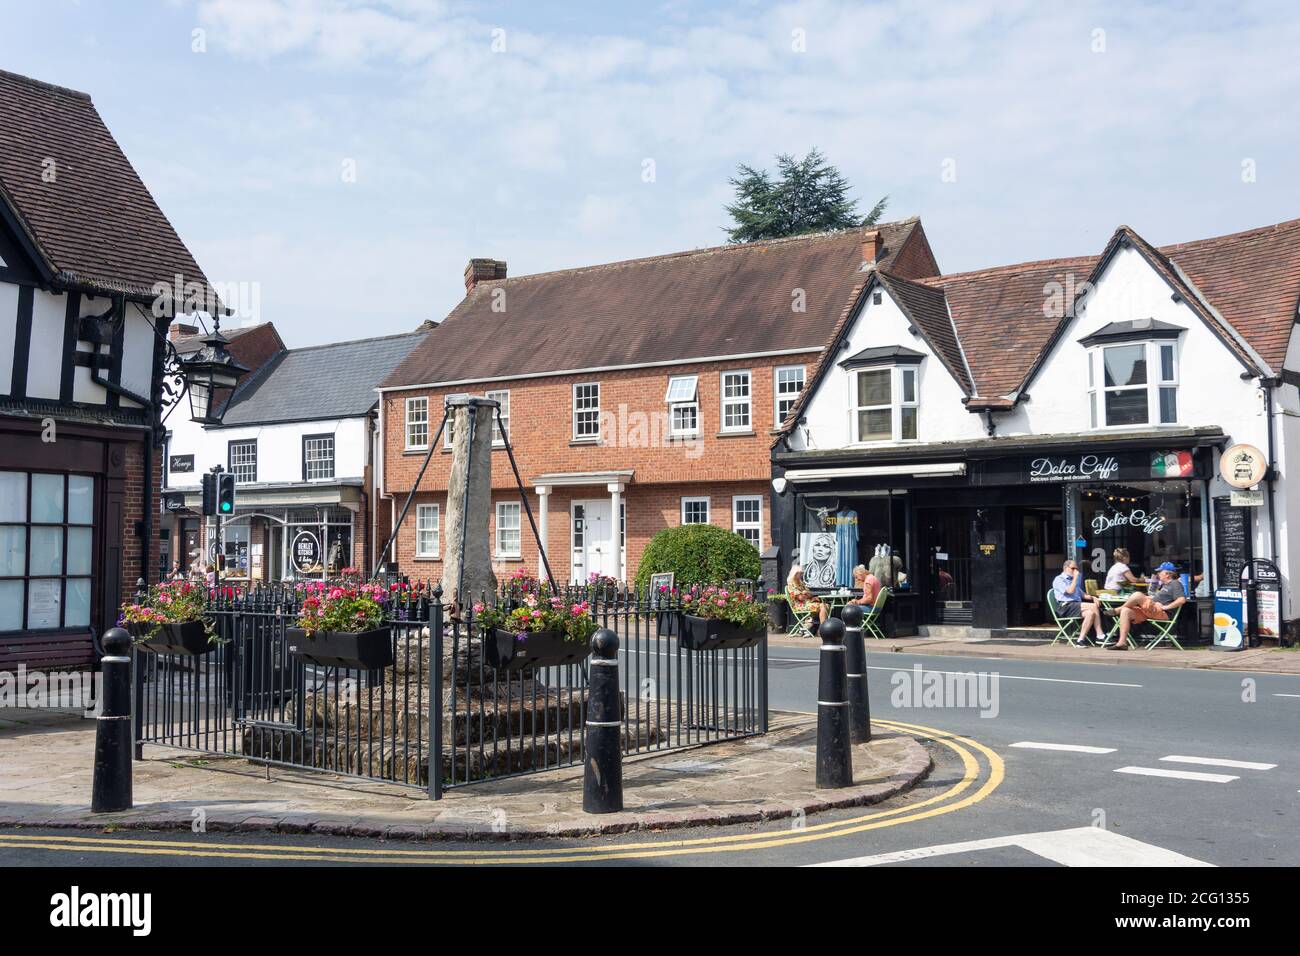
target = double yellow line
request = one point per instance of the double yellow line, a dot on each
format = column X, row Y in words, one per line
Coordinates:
column 950, row 800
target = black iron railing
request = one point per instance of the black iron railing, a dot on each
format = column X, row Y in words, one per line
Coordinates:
column 441, row 715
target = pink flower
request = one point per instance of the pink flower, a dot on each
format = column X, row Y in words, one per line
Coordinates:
column 478, row 608
column 336, row 594
column 537, row 614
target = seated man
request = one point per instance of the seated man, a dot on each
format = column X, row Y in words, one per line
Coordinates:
column 1151, row 607
column 870, row 585
column 1071, row 601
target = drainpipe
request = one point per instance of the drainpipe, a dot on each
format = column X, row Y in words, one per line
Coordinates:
column 1270, row 385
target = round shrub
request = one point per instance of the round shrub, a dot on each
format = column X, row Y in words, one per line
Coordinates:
column 698, row 554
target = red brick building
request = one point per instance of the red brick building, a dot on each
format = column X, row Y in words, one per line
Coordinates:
column 82, row 354
column 637, row 395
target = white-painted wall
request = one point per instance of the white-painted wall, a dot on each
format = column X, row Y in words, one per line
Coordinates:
column 279, row 448
column 942, row 417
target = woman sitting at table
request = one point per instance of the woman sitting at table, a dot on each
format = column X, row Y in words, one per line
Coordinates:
column 870, row 585
column 1120, row 574
column 801, row 597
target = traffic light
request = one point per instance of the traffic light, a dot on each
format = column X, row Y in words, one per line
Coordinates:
column 209, row 494
column 225, row 494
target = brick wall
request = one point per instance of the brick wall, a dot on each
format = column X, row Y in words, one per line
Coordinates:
column 716, row 465
column 133, row 514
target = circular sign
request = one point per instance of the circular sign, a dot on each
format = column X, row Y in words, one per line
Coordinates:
column 1243, row 466
column 306, row 553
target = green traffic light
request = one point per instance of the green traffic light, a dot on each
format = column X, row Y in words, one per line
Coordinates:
column 225, row 506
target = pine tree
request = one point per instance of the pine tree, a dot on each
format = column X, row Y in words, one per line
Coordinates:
column 807, row 195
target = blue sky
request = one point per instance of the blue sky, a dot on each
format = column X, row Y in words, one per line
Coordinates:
column 1060, row 121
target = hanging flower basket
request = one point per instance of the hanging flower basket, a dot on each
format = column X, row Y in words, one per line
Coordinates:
column 714, row 634
column 188, row 638
column 509, row 651
column 360, row 650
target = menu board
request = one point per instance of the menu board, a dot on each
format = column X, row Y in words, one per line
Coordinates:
column 1231, row 542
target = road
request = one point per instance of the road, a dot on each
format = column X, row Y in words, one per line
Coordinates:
column 1053, row 764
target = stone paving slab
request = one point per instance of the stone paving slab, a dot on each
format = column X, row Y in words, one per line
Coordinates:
column 1267, row 660
column 45, row 781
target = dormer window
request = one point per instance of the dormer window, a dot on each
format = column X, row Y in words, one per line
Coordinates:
column 1133, row 374
column 884, row 394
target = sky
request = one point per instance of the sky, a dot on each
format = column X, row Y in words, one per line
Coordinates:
column 341, row 160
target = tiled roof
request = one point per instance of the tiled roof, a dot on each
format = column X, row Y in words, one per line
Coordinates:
column 726, row 300
column 93, row 223
column 321, row 381
column 185, row 344
column 1252, row 279
column 925, row 305
column 1000, row 318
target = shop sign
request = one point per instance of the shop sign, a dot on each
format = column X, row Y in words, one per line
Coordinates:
column 1088, row 467
column 988, row 548
column 1148, row 522
column 1247, row 497
column 1229, row 618
column 180, row 464
column 306, row 553
column 1243, row 466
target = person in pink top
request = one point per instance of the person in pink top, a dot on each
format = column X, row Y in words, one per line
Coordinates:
column 870, row 585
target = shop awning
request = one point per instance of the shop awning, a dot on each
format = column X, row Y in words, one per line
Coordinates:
column 929, row 469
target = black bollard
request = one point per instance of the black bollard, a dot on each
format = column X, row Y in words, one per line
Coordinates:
column 834, row 748
column 855, row 665
column 111, row 789
column 602, row 781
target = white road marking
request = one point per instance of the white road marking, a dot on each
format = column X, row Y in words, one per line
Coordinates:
column 1081, row 846
column 1072, row 748
column 1178, row 774
column 1286, row 695
column 1217, row 762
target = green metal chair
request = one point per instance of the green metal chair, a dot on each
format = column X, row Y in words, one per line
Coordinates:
column 871, row 620
column 1165, row 630
column 1064, row 625
column 801, row 616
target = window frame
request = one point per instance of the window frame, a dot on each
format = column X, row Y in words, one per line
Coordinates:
column 747, row 401
column 899, row 373
column 500, row 435
column 577, row 412
column 407, row 423
column 777, row 398
column 1155, row 386
column 695, row 500
column 740, row 527
column 333, row 469
column 230, row 459
column 673, row 406
column 499, row 552
column 66, row 526
column 421, row 511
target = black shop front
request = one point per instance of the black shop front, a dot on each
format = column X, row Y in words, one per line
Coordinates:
column 975, row 532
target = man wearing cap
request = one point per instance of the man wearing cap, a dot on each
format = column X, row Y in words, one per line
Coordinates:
column 1151, row 607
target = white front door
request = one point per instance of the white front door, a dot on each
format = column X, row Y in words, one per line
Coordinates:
column 594, row 541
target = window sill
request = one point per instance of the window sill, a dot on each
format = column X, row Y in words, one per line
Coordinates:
column 428, row 557
column 416, row 451
column 736, row 434
column 507, row 557
column 584, row 441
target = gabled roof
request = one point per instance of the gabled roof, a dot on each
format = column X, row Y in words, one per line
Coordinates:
column 1245, row 286
column 185, row 344
column 705, row 303
column 94, row 225
column 318, row 382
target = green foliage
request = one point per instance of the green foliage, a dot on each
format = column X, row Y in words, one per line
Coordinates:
column 807, row 195
column 172, row 602
column 698, row 554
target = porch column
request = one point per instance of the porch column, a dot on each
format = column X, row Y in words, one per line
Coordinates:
column 543, row 496
column 615, row 507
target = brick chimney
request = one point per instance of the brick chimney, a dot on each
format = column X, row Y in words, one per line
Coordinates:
column 481, row 270
column 177, row 329
column 872, row 245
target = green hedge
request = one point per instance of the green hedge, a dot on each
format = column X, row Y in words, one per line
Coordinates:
column 698, row 554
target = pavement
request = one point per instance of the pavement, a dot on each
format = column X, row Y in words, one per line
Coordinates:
column 1263, row 660
column 45, row 782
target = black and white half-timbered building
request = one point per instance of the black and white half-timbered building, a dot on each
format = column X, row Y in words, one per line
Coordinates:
column 85, row 376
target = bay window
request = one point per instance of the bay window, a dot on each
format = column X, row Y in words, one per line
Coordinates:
column 884, row 404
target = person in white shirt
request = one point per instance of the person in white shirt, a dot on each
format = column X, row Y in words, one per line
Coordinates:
column 1120, row 573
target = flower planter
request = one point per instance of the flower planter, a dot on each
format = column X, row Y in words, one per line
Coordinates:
column 507, row 651
column 711, row 634
column 670, row 623
column 187, row 638
column 361, row 650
